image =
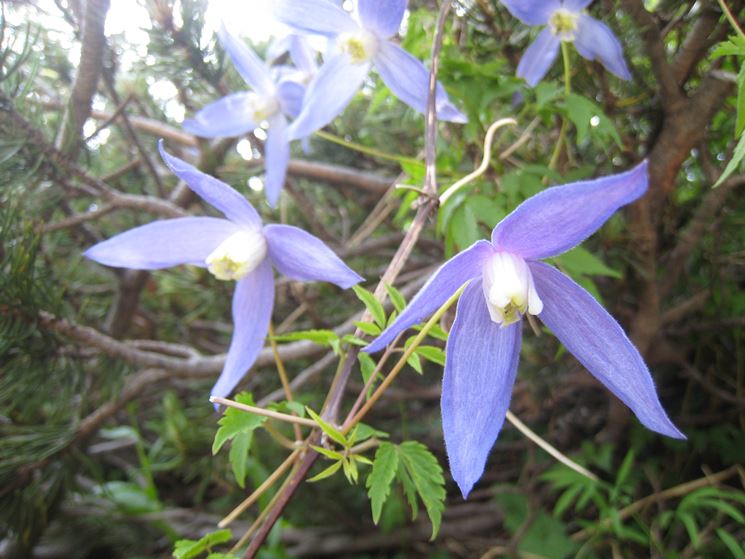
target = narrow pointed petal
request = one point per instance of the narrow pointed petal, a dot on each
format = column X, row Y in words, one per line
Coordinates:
column 161, row 244
column 595, row 40
column 290, row 96
column 448, row 278
column 226, row 117
column 382, row 16
column 559, row 218
column 576, row 5
column 328, row 94
column 251, row 68
column 320, row 17
column 532, row 12
column 253, row 301
column 301, row 256
column 303, row 55
column 408, row 79
column 218, row 194
column 480, row 368
column 276, row 157
column 600, row 344
column 539, row 57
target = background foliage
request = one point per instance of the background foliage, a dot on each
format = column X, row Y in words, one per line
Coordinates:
column 106, row 438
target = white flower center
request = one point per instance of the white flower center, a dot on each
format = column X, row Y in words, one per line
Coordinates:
column 262, row 107
column 238, row 255
column 563, row 24
column 509, row 289
column 360, row 45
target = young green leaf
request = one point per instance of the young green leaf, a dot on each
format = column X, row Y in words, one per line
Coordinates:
column 426, row 474
column 328, row 472
column 734, row 163
column 432, row 353
column 372, row 304
column 380, row 478
column 236, row 421
column 329, row 429
column 188, row 549
column 397, row 298
column 239, row 448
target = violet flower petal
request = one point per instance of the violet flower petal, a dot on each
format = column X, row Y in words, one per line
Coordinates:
column 320, row 17
column 252, row 310
column 559, row 218
column 576, row 5
column 161, row 244
column 539, row 57
column 290, row 96
column 464, row 266
column 251, row 68
column 215, row 192
column 328, row 93
column 226, row 117
column 600, row 344
column 480, row 369
column 382, row 16
column 532, row 12
column 276, row 158
column 595, row 40
column 408, row 79
column 301, row 256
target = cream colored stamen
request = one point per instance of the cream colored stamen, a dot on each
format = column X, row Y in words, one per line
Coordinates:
column 238, row 255
column 360, row 45
column 563, row 24
column 509, row 289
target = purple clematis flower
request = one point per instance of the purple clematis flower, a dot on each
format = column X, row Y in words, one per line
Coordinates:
column 507, row 281
column 565, row 20
column 270, row 101
column 237, row 248
column 357, row 45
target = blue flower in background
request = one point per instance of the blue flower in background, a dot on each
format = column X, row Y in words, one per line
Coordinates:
column 565, row 20
column 356, row 47
column 269, row 101
column 507, row 281
column 303, row 57
column 237, row 248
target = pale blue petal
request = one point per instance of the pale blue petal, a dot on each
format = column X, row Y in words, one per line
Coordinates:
column 480, row 368
column 300, row 256
column 328, row 94
column 226, row 117
column 600, row 344
column 532, row 12
column 595, row 40
column 290, row 96
column 576, row 5
column 252, row 310
column 276, row 157
column 462, row 267
column 559, row 218
column 251, row 68
column 539, row 57
column 303, row 55
column 382, row 16
column 321, row 17
column 277, row 48
column 408, row 79
column 220, row 195
column 162, row 244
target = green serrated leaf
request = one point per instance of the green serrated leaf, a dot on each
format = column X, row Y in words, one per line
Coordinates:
column 426, row 475
column 239, row 448
column 188, row 549
column 397, row 298
column 320, row 337
column 380, row 478
column 734, row 46
column 415, row 363
column 372, row 304
column 364, row 432
column 328, row 453
column 367, row 368
column 328, row 472
column 236, row 421
column 368, row 328
column 354, row 340
column 329, row 429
